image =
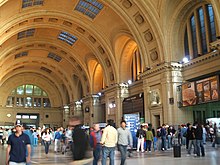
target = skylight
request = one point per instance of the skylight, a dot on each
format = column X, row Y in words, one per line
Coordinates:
column 21, row 54
column 26, row 33
column 29, row 3
column 68, row 38
column 89, row 7
column 46, row 69
column 54, row 57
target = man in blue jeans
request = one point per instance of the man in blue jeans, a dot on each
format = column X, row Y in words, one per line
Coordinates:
column 163, row 134
column 124, row 139
column 108, row 142
column 95, row 138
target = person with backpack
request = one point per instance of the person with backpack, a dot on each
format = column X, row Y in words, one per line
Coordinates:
column 95, row 138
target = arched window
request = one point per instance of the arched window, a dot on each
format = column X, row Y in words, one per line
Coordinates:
column 200, row 31
column 28, row 96
column 136, row 65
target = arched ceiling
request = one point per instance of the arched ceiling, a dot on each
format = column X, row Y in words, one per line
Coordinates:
column 94, row 44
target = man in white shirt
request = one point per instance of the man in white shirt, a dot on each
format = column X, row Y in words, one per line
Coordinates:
column 109, row 140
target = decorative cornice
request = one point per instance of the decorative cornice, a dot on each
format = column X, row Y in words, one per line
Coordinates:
column 204, row 58
column 161, row 67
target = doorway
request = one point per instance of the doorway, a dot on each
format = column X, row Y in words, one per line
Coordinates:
column 156, row 121
column 28, row 119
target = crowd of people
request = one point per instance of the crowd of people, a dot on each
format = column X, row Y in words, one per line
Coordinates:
column 187, row 135
column 104, row 141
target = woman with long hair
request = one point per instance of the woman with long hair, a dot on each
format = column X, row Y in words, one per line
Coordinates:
column 47, row 137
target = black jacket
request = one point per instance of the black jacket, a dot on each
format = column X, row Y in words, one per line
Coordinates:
column 198, row 132
column 141, row 133
column 190, row 133
column 80, row 143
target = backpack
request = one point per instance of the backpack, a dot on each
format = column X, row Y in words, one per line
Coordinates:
column 159, row 133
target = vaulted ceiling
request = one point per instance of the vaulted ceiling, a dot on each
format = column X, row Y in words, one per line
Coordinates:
column 67, row 45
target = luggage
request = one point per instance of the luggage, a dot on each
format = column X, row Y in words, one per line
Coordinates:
column 176, row 150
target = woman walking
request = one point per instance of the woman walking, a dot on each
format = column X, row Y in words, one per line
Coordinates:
column 47, row 137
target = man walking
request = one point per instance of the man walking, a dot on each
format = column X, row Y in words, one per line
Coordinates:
column 199, row 141
column 163, row 134
column 109, row 140
column 57, row 141
column 95, row 138
column 124, row 139
column 18, row 143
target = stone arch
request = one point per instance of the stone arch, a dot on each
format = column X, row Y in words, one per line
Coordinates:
column 124, row 49
column 98, row 79
column 177, row 30
column 11, row 83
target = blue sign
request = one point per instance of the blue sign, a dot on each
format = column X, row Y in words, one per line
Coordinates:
column 133, row 123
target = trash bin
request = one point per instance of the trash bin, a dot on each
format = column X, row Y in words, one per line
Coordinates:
column 177, row 150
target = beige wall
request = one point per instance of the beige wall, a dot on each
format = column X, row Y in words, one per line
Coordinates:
column 55, row 116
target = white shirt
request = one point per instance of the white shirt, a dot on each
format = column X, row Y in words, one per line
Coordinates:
column 109, row 137
column 47, row 137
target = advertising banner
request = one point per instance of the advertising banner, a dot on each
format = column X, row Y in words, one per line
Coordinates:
column 188, row 94
column 207, row 90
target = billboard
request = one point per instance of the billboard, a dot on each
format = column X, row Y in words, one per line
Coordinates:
column 207, row 90
column 188, row 94
column 201, row 91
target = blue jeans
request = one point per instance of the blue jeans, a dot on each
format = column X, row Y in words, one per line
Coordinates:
column 163, row 145
column 148, row 142
column 96, row 154
column 35, row 141
column 169, row 141
column 199, row 144
column 204, row 138
column 46, row 144
column 123, row 150
column 183, row 141
column 155, row 143
column 192, row 143
column 108, row 151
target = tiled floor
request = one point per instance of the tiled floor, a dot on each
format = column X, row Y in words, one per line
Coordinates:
column 154, row 158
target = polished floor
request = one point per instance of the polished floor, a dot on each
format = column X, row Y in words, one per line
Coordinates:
column 212, row 157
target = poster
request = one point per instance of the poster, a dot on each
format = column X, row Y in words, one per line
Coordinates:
column 188, row 94
column 214, row 89
column 133, row 123
column 207, row 89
